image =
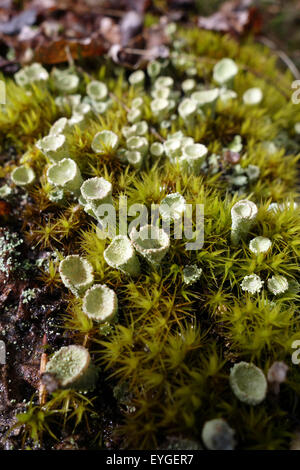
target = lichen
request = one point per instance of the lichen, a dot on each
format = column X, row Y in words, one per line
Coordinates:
column 175, row 340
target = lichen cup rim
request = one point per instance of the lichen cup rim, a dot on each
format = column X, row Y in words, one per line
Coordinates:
column 23, row 175
column 260, row 245
column 100, row 303
column 94, row 94
column 164, row 81
column 152, row 249
column 76, row 272
column 159, row 105
column 51, row 142
column 248, row 383
column 172, row 147
column 134, row 115
column 66, row 373
column 195, row 151
column 140, row 128
column 167, row 203
column 100, row 144
column 218, row 435
column 252, row 283
column 162, row 93
column 120, row 242
column 138, row 143
column 203, row 97
column 67, row 82
column 96, row 188
column 134, row 157
column 57, row 179
column 157, row 149
column 244, row 209
column 137, row 77
column 59, row 126
column 253, row 96
column 225, row 70
column 187, row 108
column 278, row 284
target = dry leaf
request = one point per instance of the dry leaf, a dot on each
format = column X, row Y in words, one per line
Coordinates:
column 56, row 52
column 233, row 17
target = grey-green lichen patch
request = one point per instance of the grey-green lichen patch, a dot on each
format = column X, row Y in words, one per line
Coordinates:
column 191, row 274
column 218, row 435
column 28, row 295
column 181, row 443
column 9, row 253
column 5, row 191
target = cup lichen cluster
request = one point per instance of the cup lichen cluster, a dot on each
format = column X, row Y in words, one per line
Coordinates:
column 191, row 333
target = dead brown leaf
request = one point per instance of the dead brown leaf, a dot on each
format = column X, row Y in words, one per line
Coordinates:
column 57, row 51
column 235, row 17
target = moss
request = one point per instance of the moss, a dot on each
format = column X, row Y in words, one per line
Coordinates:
column 175, row 342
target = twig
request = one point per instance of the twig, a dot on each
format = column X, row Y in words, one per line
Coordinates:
column 282, row 55
column 157, row 135
column 104, row 11
column 69, row 57
column 143, row 52
column 85, row 340
column 43, row 363
column 114, row 97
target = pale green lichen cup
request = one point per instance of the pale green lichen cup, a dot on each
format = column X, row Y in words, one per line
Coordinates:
column 193, row 157
column 105, row 142
column 248, row 383
column 97, row 90
column 76, row 274
column 54, row 147
column 120, row 255
column 100, row 303
column 65, row 174
column 151, row 242
column 23, row 176
column 72, row 368
column 96, row 191
column 243, row 215
column 172, row 207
